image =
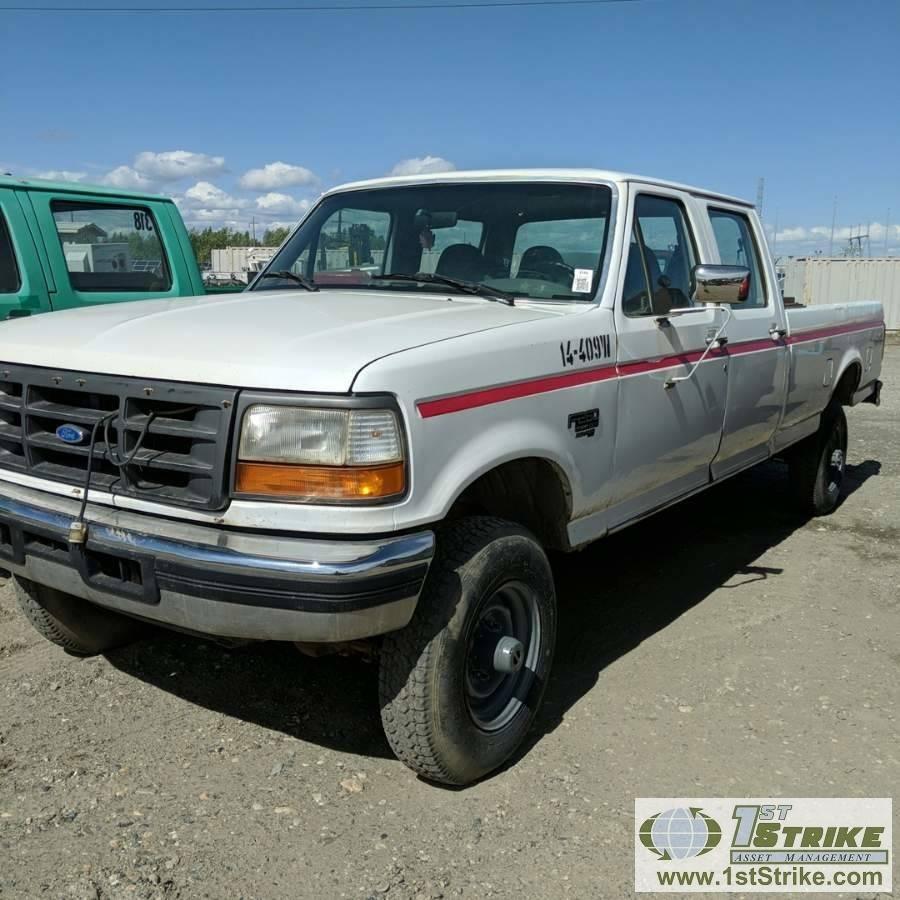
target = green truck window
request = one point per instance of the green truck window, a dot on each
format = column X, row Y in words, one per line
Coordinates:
column 9, row 270
column 110, row 247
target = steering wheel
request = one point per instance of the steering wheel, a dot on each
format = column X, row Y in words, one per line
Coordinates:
column 550, row 270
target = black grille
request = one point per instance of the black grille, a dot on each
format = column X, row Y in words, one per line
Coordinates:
column 182, row 458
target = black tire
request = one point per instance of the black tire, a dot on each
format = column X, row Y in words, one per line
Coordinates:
column 441, row 712
column 79, row 627
column 817, row 464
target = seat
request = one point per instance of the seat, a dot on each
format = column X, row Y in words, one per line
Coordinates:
column 679, row 277
column 546, row 263
column 635, row 300
column 462, row 261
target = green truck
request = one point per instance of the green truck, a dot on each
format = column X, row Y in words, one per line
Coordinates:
column 65, row 245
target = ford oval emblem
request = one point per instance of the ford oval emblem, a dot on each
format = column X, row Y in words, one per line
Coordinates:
column 71, row 434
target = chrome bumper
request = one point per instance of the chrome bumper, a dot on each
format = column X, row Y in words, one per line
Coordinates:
column 211, row 580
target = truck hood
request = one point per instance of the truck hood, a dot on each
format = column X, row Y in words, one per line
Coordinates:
column 279, row 340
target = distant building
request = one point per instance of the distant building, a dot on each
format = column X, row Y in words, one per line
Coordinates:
column 238, row 263
column 814, row 280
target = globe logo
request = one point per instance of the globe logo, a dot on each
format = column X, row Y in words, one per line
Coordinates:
column 681, row 833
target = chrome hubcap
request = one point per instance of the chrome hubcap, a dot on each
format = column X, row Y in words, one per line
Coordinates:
column 835, row 470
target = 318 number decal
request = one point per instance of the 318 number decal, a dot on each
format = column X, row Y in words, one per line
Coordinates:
column 142, row 221
column 587, row 349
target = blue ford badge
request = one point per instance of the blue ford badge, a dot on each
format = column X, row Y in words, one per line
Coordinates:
column 71, row 434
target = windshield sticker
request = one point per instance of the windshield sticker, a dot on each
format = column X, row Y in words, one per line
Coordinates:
column 582, row 281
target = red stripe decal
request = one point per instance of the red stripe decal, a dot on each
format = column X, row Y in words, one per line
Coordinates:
column 817, row 334
column 487, row 396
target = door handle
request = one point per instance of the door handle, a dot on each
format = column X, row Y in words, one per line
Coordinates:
column 777, row 333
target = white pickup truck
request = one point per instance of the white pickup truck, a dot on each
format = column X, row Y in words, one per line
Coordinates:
column 434, row 382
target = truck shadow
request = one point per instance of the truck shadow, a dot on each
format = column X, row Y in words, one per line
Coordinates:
column 623, row 590
column 612, row 596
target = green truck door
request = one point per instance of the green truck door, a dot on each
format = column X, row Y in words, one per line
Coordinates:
column 23, row 287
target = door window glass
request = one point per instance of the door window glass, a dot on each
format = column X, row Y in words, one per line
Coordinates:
column 664, row 239
column 111, row 248
column 9, row 270
column 737, row 247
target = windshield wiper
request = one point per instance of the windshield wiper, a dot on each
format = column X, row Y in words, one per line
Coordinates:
column 302, row 280
column 464, row 287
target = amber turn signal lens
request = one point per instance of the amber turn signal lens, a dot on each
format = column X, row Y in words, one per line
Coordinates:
column 325, row 483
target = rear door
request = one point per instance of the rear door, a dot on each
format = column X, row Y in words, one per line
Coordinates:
column 23, row 289
column 668, row 433
column 757, row 352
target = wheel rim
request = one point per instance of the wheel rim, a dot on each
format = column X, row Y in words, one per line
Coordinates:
column 835, row 461
column 502, row 653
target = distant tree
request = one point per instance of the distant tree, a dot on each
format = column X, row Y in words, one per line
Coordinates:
column 360, row 244
column 205, row 240
column 274, row 237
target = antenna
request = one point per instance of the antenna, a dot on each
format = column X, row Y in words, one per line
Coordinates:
column 833, row 218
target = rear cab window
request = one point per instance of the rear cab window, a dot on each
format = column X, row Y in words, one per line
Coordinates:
column 737, row 247
column 111, row 247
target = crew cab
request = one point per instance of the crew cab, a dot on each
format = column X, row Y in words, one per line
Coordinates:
column 435, row 381
column 68, row 244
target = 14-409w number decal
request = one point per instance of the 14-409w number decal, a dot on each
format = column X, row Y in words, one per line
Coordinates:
column 584, row 350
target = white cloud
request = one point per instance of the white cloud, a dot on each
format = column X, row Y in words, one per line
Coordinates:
column 170, row 165
column 281, row 204
column 127, row 179
column 802, row 239
column 276, row 175
column 423, row 165
column 61, row 175
column 206, row 194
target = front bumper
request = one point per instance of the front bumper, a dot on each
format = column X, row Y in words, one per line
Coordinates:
column 212, row 580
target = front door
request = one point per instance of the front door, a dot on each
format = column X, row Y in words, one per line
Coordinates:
column 668, row 432
column 23, row 290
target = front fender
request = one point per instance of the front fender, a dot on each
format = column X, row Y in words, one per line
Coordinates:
column 437, row 488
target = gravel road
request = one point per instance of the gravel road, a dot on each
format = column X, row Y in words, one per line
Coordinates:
column 725, row 648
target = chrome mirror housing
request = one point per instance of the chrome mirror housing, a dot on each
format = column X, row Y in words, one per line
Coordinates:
column 721, row 284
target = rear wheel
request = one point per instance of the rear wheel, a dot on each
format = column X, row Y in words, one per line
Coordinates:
column 818, row 464
column 460, row 685
column 79, row 627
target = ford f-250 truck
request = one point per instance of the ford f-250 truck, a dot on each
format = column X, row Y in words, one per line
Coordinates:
column 69, row 244
column 387, row 440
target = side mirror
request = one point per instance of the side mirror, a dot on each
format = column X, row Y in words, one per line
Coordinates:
column 721, row 284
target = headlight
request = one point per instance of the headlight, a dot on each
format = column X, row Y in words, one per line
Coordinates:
column 320, row 455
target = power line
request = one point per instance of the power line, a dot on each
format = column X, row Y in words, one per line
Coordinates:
column 339, row 7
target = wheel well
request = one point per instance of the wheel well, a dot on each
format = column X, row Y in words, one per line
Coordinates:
column 532, row 492
column 848, row 384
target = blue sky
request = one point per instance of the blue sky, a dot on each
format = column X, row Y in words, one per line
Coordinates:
column 719, row 93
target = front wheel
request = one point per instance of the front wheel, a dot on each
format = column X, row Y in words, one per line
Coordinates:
column 818, row 464
column 461, row 684
column 79, row 627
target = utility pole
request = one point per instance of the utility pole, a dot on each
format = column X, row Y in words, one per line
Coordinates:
column 760, row 193
column 833, row 218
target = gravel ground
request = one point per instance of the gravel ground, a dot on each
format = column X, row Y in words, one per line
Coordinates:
column 725, row 648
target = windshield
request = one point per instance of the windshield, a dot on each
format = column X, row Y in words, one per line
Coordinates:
column 530, row 239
